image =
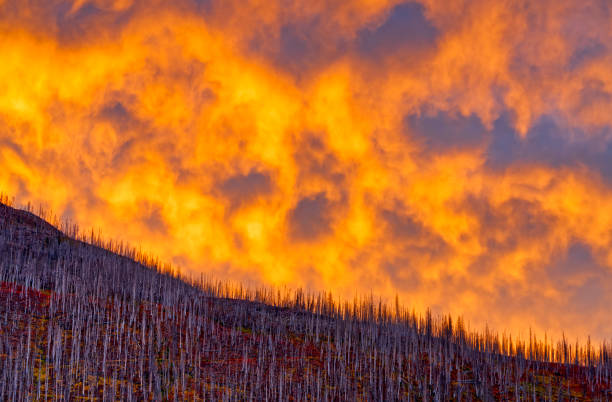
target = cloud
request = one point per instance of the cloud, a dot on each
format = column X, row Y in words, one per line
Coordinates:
column 551, row 143
column 440, row 131
column 300, row 48
column 586, row 53
column 406, row 229
column 583, row 281
column 317, row 162
column 243, row 188
column 406, row 31
column 116, row 114
column 311, row 217
column 70, row 23
column 454, row 153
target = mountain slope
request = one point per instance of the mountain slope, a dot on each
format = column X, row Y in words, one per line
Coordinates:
column 79, row 321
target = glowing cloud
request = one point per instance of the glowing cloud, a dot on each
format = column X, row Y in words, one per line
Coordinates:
column 455, row 153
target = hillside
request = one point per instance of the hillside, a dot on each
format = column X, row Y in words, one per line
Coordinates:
column 78, row 321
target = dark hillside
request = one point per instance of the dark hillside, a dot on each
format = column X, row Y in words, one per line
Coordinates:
column 81, row 319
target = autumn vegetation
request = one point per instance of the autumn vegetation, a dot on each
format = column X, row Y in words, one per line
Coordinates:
column 83, row 318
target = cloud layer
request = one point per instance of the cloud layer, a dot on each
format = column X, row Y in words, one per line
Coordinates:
column 455, row 153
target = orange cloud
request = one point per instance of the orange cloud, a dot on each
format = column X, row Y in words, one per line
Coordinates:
column 454, row 153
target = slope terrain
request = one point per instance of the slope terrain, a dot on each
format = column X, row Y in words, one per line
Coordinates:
column 80, row 319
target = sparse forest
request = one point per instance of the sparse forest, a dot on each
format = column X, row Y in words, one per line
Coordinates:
column 81, row 318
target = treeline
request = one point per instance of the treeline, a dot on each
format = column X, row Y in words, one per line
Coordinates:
column 83, row 317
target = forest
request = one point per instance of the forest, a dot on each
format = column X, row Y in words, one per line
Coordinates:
column 82, row 318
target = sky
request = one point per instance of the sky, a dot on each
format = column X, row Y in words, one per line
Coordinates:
column 455, row 153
